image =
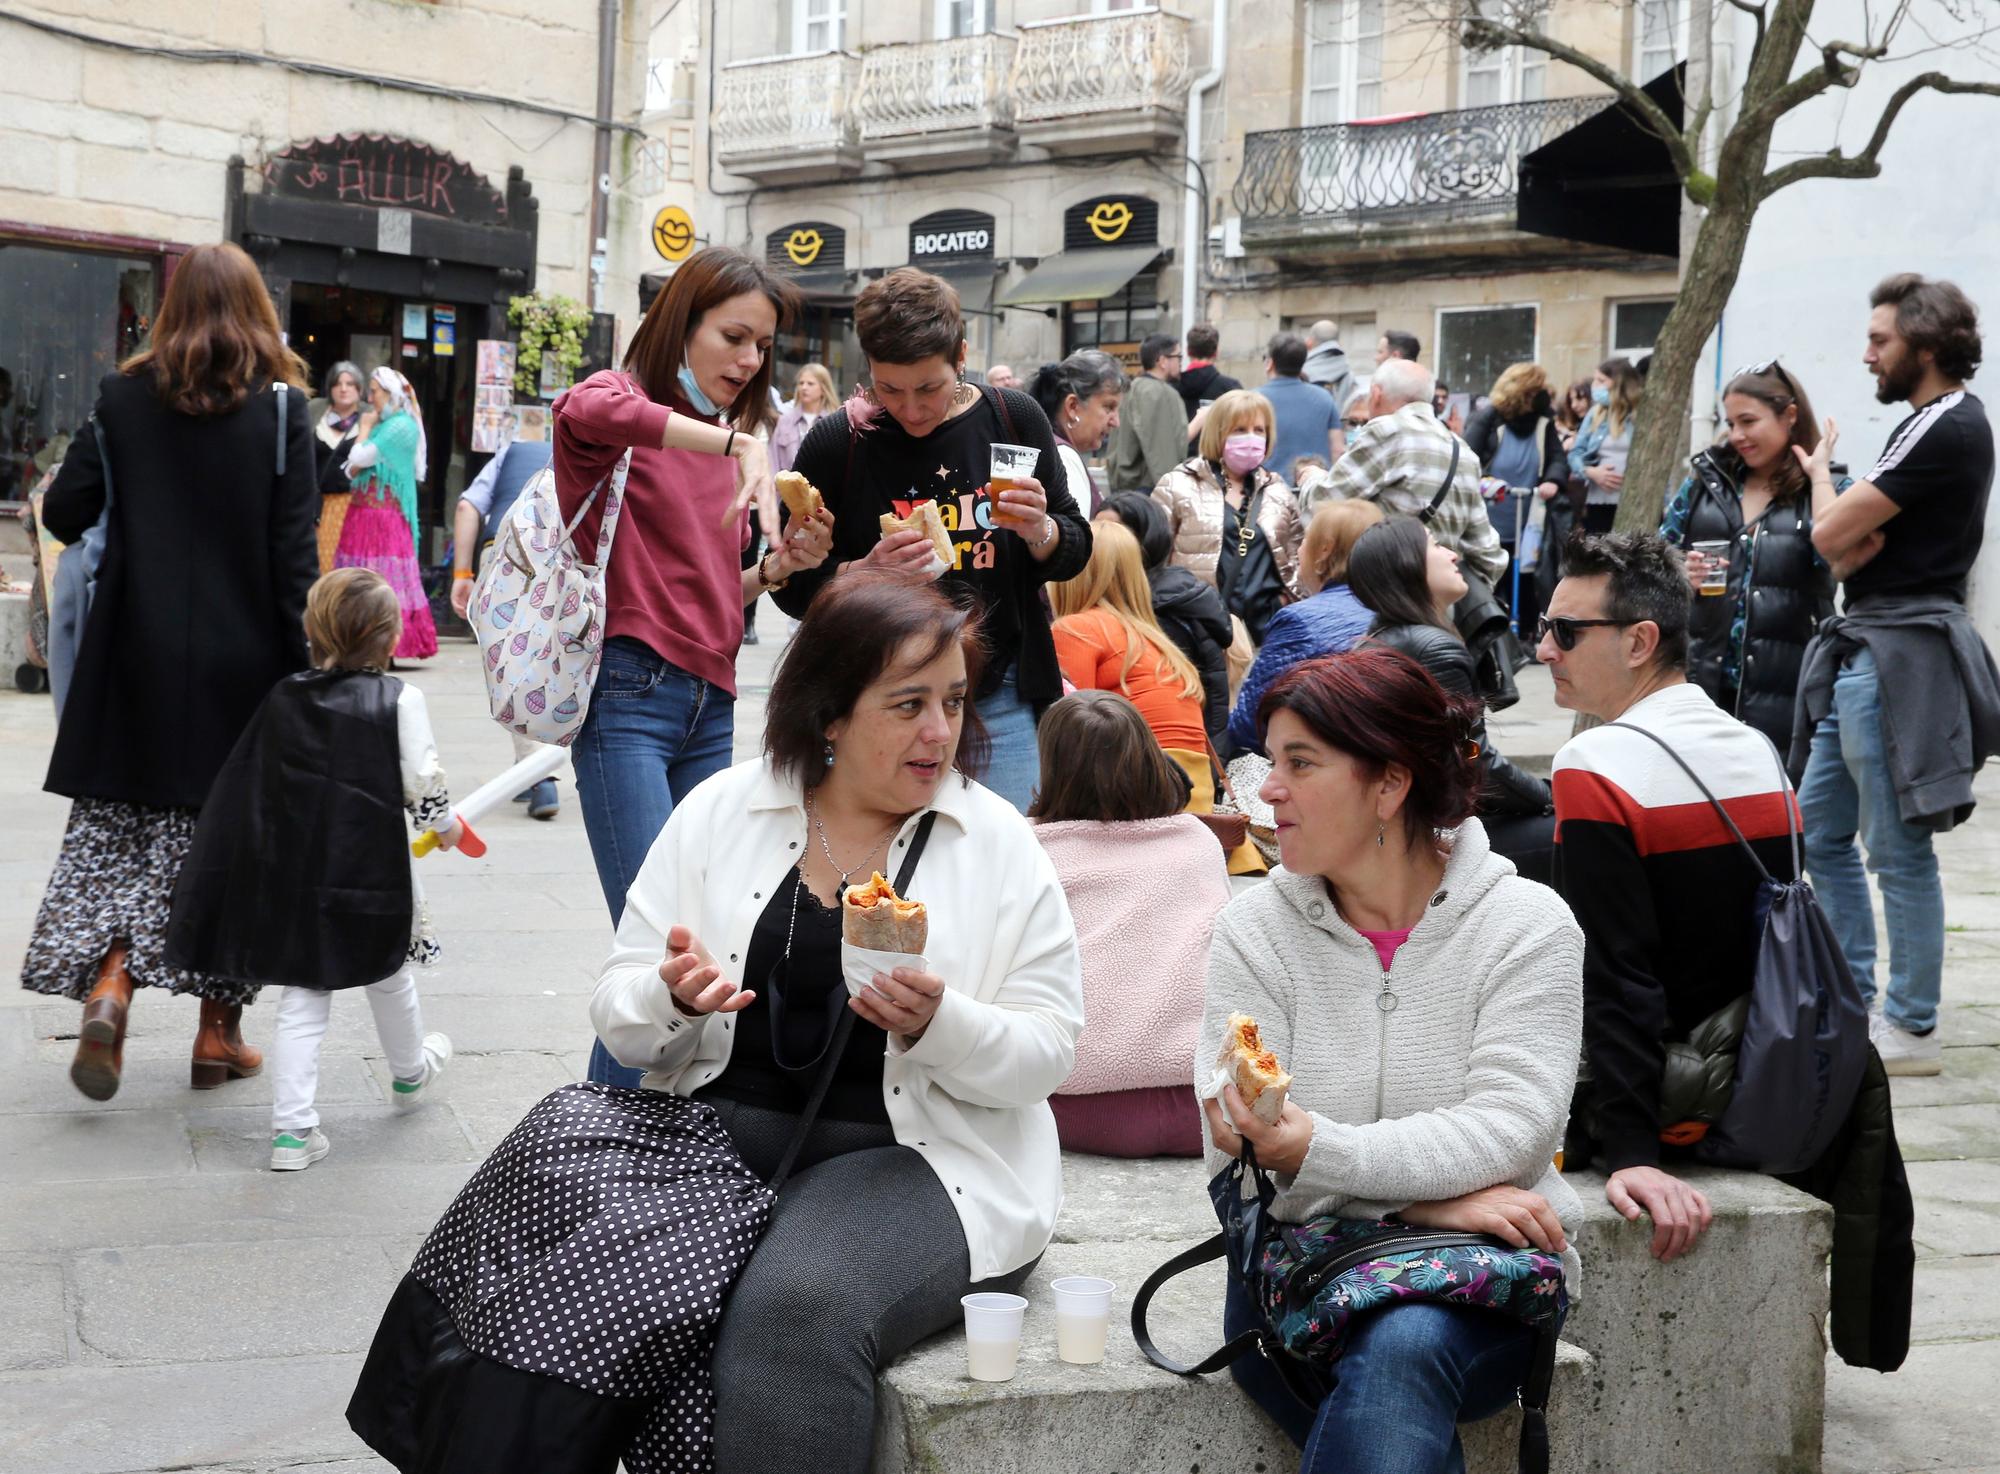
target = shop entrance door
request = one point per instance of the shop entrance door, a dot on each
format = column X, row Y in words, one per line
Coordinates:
column 330, row 323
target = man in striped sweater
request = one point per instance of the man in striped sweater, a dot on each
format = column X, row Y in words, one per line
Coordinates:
column 1665, row 895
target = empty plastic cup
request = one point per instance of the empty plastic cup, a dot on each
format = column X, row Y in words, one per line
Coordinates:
column 992, row 1335
column 1083, row 1318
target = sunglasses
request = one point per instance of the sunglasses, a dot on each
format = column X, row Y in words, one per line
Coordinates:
column 1566, row 630
column 1769, row 366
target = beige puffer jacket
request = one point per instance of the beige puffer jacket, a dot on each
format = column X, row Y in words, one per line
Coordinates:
column 1192, row 497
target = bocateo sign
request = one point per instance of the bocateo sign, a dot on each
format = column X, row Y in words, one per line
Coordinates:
column 951, row 235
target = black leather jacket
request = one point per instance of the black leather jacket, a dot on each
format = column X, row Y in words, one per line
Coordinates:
column 1504, row 789
column 1781, row 589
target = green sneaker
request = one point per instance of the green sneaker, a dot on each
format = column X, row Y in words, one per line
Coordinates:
column 409, row 1094
column 291, row 1153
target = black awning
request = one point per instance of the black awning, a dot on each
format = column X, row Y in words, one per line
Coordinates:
column 1608, row 181
column 1080, row 276
column 973, row 281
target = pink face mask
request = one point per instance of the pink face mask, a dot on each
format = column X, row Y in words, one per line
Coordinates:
column 1243, row 453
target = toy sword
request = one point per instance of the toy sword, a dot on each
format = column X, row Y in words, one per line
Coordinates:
column 525, row 774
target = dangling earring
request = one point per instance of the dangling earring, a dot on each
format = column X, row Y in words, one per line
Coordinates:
column 829, row 754
column 1381, row 829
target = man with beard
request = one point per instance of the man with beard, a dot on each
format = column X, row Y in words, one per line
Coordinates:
column 1899, row 699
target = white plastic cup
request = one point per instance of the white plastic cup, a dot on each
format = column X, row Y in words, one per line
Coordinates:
column 1083, row 1318
column 992, row 1335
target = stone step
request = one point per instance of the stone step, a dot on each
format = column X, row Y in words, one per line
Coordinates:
column 1125, row 1415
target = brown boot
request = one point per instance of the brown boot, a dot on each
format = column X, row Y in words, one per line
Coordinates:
column 219, row 1051
column 100, row 1044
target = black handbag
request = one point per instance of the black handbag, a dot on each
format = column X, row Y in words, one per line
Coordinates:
column 1247, row 572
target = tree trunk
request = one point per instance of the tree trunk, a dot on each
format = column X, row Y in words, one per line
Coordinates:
column 1661, row 435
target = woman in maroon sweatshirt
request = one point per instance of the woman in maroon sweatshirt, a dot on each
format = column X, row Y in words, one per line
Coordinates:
column 695, row 389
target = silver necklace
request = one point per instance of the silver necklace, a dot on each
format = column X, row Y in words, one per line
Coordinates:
column 827, row 849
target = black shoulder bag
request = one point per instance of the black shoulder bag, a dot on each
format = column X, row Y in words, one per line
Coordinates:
column 1246, row 574
column 840, row 1018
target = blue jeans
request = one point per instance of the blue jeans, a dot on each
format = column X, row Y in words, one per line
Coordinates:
column 1015, row 767
column 652, row 733
column 1409, row 1377
column 1848, row 788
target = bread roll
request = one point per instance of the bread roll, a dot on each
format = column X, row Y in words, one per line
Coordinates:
column 875, row 917
column 1253, row 1069
column 800, row 496
column 923, row 518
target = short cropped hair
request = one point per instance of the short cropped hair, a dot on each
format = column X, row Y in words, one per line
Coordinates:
column 1101, row 762
column 854, row 631
column 909, row 316
column 1648, row 581
column 1402, row 344
column 1287, row 352
column 1203, row 340
column 1934, row 315
column 1155, row 347
column 1379, row 707
column 1403, row 381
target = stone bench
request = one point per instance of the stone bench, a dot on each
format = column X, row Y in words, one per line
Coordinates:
column 1714, row 1363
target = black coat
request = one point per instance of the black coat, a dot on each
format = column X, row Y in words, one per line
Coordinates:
column 1192, row 616
column 1504, row 790
column 201, row 597
column 298, row 873
column 1785, row 592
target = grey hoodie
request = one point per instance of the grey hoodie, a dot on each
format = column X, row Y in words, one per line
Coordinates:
column 1326, row 366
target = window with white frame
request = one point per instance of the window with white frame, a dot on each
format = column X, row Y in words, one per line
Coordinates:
column 1635, row 326
column 1343, row 60
column 1661, row 37
column 818, row 25
column 965, row 17
column 1510, row 74
column 1475, row 343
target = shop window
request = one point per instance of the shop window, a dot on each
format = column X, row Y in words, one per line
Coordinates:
column 1475, row 343
column 66, row 319
column 1635, row 327
column 1115, row 324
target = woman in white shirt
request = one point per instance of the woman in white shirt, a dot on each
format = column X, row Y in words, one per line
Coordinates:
column 933, row 1168
column 1080, row 396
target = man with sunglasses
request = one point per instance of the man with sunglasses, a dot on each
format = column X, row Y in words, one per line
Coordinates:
column 1899, row 701
column 1666, row 897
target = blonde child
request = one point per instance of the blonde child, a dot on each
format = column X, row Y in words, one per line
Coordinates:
column 300, row 872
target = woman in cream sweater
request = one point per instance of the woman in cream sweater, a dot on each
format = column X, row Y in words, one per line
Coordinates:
column 1428, row 1003
column 933, row 1167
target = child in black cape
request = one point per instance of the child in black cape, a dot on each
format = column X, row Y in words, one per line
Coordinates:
column 300, row 872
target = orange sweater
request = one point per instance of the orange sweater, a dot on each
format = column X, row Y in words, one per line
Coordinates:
column 1091, row 648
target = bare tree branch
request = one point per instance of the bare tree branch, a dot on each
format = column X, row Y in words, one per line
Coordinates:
column 1481, row 34
column 1832, row 72
column 1867, row 164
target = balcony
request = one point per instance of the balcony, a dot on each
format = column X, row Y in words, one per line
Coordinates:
column 940, row 104
column 788, row 119
column 1093, row 84
column 1301, row 186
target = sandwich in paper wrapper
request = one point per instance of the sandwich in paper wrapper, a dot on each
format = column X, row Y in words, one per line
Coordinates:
column 1255, row 1072
column 924, row 518
column 879, row 932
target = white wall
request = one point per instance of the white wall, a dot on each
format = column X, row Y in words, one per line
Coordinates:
column 1820, row 246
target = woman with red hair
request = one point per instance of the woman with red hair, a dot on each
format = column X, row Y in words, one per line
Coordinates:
column 1429, row 1005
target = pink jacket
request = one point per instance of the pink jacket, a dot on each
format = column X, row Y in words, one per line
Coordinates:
column 1144, row 896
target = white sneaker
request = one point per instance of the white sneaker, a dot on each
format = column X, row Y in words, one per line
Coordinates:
column 409, row 1094
column 291, row 1152
column 1904, row 1053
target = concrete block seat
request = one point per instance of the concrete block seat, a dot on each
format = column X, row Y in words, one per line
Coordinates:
column 1713, row 1363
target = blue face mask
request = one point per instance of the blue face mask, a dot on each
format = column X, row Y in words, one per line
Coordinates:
column 692, row 392
column 1599, row 393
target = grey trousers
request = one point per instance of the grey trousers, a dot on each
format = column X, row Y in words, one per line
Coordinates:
column 863, row 1258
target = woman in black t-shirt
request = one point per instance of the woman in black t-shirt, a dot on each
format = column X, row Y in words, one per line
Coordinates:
column 921, row 433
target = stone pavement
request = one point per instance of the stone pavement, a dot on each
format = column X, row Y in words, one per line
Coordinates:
column 170, row 1304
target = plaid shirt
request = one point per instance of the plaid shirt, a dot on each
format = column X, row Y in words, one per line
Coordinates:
column 1400, row 460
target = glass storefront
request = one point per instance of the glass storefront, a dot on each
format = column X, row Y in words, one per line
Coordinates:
column 67, row 317
column 1116, row 324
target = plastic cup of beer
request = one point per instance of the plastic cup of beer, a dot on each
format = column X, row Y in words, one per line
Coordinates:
column 1714, row 566
column 1008, row 465
column 992, row 1335
column 1083, row 1318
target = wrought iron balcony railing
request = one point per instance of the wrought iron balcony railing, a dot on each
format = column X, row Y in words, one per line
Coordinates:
column 1117, row 62
column 1448, row 165
column 933, row 87
column 786, row 103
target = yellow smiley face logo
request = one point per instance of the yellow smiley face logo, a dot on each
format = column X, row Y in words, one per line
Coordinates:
column 803, row 246
column 1109, row 220
column 673, row 233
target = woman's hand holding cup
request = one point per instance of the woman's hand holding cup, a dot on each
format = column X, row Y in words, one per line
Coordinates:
column 1023, row 507
column 695, row 979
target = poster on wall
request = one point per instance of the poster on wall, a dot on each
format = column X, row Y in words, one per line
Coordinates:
column 496, row 361
column 416, row 321
column 493, row 421
column 444, row 331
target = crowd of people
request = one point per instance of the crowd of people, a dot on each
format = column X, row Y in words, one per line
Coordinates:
column 1034, row 725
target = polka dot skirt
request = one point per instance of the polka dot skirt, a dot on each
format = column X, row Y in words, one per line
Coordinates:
column 596, row 1246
